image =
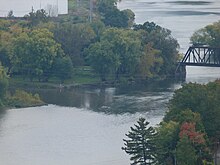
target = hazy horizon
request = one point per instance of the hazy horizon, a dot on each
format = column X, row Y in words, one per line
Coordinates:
column 22, row 7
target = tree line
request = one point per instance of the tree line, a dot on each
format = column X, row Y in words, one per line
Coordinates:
column 113, row 46
column 40, row 47
column 188, row 134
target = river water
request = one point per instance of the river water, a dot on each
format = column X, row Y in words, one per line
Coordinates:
column 86, row 126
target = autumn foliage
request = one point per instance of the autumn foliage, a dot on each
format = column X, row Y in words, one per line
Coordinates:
column 189, row 130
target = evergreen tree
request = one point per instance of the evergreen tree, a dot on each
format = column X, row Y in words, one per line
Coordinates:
column 140, row 144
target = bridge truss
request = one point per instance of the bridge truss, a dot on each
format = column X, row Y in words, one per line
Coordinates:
column 201, row 56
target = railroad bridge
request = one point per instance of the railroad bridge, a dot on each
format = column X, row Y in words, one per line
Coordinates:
column 201, row 55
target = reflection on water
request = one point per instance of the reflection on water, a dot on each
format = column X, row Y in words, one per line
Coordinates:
column 127, row 98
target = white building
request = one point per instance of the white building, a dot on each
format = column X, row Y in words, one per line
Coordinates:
column 22, row 7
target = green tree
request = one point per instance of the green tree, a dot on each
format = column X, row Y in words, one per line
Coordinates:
column 162, row 40
column 6, row 44
column 112, row 16
column 35, row 53
column 166, row 142
column 3, row 84
column 98, row 27
column 127, row 45
column 131, row 17
column 62, row 68
column 140, row 143
column 209, row 35
column 203, row 99
column 74, row 38
column 150, row 62
column 185, row 152
column 37, row 17
column 5, row 48
column 5, row 25
column 124, row 49
column 102, row 58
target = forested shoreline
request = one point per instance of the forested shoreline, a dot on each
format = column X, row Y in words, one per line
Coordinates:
column 38, row 47
column 188, row 135
column 71, row 49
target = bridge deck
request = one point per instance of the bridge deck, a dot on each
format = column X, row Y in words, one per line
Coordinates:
column 199, row 64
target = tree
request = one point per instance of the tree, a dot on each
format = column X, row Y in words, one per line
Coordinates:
column 101, row 57
column 5, row 24
column 74, row 38
column 185, row 152
column 3, row 84
column 98, row 28
column 150, row 62
column 162, row 40
column 10, row 14
column 127, row 45
column 37, row 17
column 189, row 130
column 209, row 35
column 203, row 99
column 140, row 143
column 112, row 16
column 35, row 53
column 7, row 36
column 166, row 141
column 131, row 17
column 118, row 51
column 5, row 48
column 62, row 68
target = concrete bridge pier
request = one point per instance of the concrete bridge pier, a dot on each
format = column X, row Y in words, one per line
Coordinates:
column 180, row 72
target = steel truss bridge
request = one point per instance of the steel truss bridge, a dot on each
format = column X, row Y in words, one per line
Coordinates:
column 200, row 56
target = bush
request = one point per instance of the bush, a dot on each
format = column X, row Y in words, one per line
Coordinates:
column 24, row 99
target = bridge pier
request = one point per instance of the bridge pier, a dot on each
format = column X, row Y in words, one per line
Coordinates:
column 180, row 71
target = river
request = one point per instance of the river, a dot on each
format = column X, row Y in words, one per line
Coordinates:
column 86, row 126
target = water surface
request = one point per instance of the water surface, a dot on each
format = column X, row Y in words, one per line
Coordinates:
column 86, row 126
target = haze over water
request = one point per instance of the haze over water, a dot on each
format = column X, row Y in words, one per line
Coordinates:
column 86, row 126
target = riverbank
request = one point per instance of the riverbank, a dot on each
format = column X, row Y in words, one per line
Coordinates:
column 84, row 82
column 21, row 99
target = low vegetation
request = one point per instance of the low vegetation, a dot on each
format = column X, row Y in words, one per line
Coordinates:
column 23, row 99
column 19, row 98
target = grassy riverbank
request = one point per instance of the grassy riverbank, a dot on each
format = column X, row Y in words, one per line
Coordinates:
column 80, row 76
column 21, row 99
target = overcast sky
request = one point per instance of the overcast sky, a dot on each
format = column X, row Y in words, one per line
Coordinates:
column 22, row 7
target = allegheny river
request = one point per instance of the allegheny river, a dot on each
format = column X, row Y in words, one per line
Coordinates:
column 85, row 126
